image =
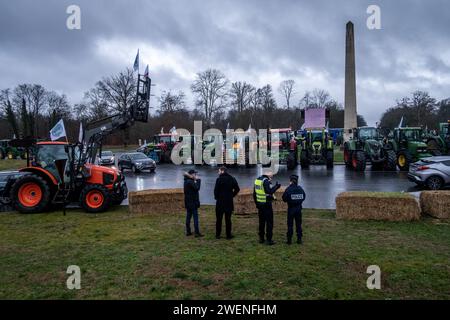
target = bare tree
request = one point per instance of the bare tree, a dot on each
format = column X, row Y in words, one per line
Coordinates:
column 241, row 94
column 169, row 102
column 57, row 107
column 211, row 90
column 286, row 88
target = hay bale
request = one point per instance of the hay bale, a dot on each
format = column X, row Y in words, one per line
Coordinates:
column 244, row 204
column 162, row 201
column 436, row 204
column 377, row 206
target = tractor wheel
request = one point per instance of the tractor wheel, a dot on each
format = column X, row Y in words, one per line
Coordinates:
column 30, row 194
column 2, row 155
column 390, row 164
column 304, row 161
column 434, row 183
column 348, row 156
column 95, row 198
column 404, row 159
column 359, row 161
column 330, row 159
column 433, row 148
column 290, row 162
column 10, row 155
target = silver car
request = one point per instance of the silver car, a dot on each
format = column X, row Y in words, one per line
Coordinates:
column 433, row 173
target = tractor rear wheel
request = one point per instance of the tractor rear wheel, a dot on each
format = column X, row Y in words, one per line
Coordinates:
column 404, row 159
column 2, row 154
column 95, row 198
column 390, row 163
column 30, row 194
column 330, row 159
column 433, row 147
column 348, row 156
column 359, row 161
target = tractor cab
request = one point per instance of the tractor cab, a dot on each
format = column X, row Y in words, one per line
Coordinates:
column 164, row 142
column 367, row 133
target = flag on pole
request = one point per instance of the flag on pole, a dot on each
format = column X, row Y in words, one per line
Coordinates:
column 80, row 134
column 136, row 62
column 58, row 131
column 401, row 123
column 146, row 72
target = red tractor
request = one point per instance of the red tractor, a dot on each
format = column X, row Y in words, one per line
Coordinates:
column 58, row 173
column 164, row 143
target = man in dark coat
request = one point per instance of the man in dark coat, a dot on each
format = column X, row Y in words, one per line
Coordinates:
column 192, row 201
column 263, row 195
column 225, row 190
column 294, row 196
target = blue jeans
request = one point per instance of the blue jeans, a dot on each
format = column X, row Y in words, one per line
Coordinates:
column 189, row 214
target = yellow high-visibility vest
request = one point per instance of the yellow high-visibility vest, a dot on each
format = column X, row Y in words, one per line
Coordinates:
column 259, row 190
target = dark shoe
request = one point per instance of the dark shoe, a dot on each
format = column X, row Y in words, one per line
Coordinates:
column 188, row 234
column 230, row 237
column 217, row 237
column 270, row 242
column 261, row 240
column 289, row 241
column 299, row 241
column 199, row 235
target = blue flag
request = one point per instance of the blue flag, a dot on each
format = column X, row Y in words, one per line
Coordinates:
column 136, row 62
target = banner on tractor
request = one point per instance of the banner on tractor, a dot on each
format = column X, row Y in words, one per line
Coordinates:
column 58, row 131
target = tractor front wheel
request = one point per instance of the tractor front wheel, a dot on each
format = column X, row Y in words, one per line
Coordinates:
column 291, row 163
column 330, row 159
column 348, row 156
column 30, row 194
column 95, row 198
column 304, row 161
column 404, row 159
column 359, row 161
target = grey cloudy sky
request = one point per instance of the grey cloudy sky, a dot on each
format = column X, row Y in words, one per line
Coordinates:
column 258, row 41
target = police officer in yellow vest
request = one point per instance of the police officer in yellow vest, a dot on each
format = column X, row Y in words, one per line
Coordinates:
column 263, row 197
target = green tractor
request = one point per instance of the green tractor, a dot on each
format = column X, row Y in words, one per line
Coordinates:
column 317, row 148
column 440, row 144
column 286, row 145
column 10, row 152
column 367, row 146
column 408, row 145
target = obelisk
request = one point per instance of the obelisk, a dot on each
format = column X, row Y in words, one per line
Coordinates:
column 350, row 113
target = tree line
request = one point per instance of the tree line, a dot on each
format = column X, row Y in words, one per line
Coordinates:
column 32, row 110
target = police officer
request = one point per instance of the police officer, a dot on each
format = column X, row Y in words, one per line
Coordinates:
column 294, row 196
column 263, row 197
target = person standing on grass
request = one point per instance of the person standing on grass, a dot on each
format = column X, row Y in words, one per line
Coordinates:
column 192, row 201
column 294, row 196
column 263, row 195
column 225, row 190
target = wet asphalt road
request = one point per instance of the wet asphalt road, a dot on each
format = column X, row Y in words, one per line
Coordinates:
column 321, row 185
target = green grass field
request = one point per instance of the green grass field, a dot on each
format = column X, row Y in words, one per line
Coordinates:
column 7, row 164
column 127, row 257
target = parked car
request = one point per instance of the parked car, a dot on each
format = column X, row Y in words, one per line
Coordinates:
column 136, row 162
column 432, row 173
column 107, row 158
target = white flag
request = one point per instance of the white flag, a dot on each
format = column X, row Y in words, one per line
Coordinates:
column 80, row 134
column 58, row 131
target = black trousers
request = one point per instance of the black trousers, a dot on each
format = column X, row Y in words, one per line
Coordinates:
column 265, row 213
column 219, row 217
column 294, row 214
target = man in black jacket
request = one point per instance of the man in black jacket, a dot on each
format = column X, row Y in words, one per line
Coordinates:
column 263, row 195
column 225, row 190
column 294, row 196
column 192, row 201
